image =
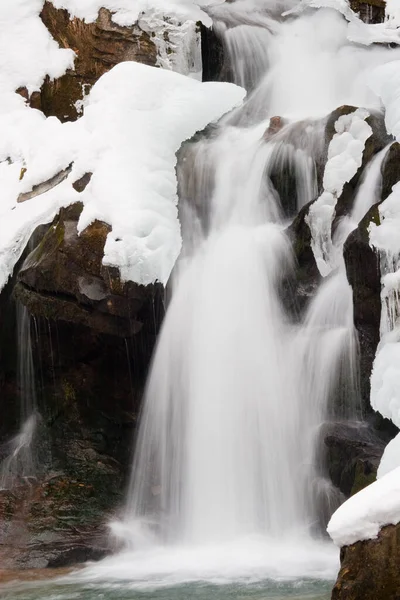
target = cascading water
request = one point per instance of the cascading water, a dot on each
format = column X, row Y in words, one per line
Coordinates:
column 225, row 461
column 19, row 465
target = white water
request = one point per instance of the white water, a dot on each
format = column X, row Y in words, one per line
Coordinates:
column 226, row 482
column 19, row 465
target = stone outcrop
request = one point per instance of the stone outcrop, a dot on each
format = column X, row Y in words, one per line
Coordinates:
column 372, row 11
column 352, row 455
column 98, row 47
column 64, row 279
column 370, row 569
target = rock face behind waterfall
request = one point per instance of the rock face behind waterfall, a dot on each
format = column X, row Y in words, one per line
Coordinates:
column 92, row 342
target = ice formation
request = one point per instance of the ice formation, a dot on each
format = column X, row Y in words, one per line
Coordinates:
column 345, row 154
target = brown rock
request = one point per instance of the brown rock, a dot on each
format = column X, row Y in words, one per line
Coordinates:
column 98, row 47
column 370, row 569
column 64, row 279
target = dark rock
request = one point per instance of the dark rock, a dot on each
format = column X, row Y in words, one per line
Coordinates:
column 390, row 170
column 212, row 53
column 372, row 11
column 307, row 274
column 64, row 279
column 363, row 274
column 352, row 455
column 376, row 142
column 80, row 184
column 370, row 569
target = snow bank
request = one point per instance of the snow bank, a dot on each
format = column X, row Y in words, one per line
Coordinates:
column 391, row 457
column 385, row 378
column 358, row 31
column 385, row 82
column 345, row 154
column 362, row 516
column 27, row 51
column 126, row 12
column 392, row 12
column 134, row 121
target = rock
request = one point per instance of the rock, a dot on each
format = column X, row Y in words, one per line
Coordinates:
column 370, row 569
column 98, row 46
column 372, row 11
column 213, row 55
column 64, row 279
column 363, row 274
column 51, row 523
column 378, row 140
column 275, row 125
column 352, row 455
column 390, row 170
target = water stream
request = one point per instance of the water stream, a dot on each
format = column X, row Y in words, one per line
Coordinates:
column 19, row 465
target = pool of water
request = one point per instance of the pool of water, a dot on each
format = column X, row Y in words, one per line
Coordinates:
column 265, row 590
column 248, row 569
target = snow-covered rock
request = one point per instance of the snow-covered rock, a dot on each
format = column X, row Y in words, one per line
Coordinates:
column 345, row 154
column 362, row 516
column 136, row 118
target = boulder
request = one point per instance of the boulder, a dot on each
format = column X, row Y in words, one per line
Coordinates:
column 352, row 453
column 63, row 278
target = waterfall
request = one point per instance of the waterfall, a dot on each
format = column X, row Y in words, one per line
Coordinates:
column 19, row 464
column 226, row 463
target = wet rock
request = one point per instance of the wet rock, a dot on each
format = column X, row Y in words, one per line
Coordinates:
column 275, row 125
column 372, row 11
column 370, row 569
column 352, row 455
column 51, row 523
column 307, row 274
column 390, row 170
column 213, row 55
column 363, row 274
column 376, row 142
column 98, row 47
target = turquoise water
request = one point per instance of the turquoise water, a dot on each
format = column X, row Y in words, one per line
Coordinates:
column 266, row 590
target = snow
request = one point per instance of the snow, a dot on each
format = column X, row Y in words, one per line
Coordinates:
column 134, row 121
column 392, row 12
column 391, row 457
column 385, row 378
column 363, row 515
column 358, row 31
column 27, row 51
column 385, row 82
column 126, row 12
column 345, row 154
